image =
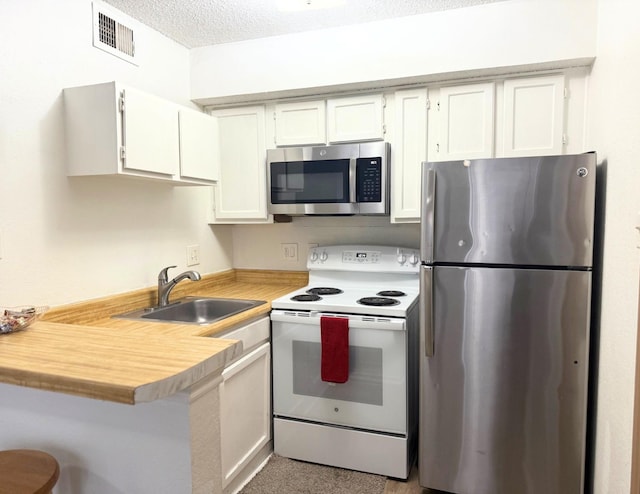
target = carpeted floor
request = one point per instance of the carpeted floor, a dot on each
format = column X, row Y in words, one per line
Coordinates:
column 284, row 476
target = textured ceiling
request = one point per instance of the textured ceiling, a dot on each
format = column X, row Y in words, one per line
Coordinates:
column 195, row 23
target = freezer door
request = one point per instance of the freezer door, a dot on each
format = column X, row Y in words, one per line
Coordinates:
column 503, row 398
column 524, row 211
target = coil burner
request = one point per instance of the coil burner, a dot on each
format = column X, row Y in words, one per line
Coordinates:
column 391, row 293
column 378, row 301
column 323, row 290
column 306, row 297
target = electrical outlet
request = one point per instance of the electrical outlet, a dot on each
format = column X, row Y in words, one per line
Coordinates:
column 193, row 255
column 289, row 252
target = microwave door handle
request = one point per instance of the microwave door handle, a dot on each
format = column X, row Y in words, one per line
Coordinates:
column 352, row 179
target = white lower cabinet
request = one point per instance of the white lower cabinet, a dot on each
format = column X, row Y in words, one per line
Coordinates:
column 245, row 406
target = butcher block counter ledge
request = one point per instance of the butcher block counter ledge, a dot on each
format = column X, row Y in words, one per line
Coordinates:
column 80, row 349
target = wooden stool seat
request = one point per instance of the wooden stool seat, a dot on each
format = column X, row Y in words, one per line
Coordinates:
column 27, row 471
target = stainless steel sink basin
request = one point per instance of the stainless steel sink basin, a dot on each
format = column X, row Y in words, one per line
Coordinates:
column 193, row 310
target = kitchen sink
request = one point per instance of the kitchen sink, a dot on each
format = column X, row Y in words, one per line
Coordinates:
column 193, row 310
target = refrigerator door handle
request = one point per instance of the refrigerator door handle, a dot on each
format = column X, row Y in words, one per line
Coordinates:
column 426, row 309
column 427, row 224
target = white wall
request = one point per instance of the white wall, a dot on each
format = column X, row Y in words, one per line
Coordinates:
column 259, row 246
column 614, row 132
column 458, row 41
column 63, row 240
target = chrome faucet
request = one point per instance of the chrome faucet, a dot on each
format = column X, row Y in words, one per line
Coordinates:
column 165, row 286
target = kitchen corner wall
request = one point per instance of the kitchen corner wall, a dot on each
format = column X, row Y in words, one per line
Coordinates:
column 69, row 239
column 614, row 128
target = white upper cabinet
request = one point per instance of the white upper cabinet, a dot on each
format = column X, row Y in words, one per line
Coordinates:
column 112, row 129
column 408, row 151
column 465, row 122
column 533, row 117
column 150, row 133
column 356, row 118
column 241, row 193
column 198, row 153
column 300, row 123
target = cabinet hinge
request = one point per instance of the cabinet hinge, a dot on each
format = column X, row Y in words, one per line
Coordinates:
column 121, row 102
column 428, row 104
column 438, row 106
column 384, row 102
column 566, row 92
column 565, row 139
column 123, row 152
column 384, row 128
column 437, row 147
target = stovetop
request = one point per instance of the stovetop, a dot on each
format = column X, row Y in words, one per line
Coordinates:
column 384, row 276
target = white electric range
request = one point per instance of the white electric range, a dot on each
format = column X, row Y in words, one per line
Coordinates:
column 369, row 422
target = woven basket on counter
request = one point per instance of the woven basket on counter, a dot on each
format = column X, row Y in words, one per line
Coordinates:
column 14, row 319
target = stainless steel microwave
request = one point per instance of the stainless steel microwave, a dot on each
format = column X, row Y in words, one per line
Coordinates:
column 343, row 179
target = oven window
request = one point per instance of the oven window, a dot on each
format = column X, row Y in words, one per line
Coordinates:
column 365, row 374
column 308, row 182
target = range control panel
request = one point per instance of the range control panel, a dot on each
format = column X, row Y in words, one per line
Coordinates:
column 386, row 259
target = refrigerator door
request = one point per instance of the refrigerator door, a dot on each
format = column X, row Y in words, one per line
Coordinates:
column 503, row 398
column 524, row 211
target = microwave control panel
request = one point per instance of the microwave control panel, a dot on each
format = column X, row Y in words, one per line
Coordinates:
column 369, row 180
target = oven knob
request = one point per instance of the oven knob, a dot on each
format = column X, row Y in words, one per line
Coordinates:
column 314, row 256
column 402, row 258
column 324, row 256
column 414, row 259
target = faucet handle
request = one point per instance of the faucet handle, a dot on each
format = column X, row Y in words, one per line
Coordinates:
column 164, row 273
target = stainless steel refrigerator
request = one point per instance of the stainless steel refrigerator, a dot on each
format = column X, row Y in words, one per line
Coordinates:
column 505, row 295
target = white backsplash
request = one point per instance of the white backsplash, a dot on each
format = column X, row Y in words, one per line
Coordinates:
column 259, row 246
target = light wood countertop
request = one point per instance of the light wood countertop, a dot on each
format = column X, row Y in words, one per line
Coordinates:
column 80, row 349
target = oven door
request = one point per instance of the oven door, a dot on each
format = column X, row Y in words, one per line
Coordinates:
column 375, row 395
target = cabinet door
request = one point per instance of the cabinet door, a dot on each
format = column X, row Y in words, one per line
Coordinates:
column 409, row 150
column 358, row 118
column 198, row 157
column 241, row 192
column 533, row 116
column 300, row 123
column 245, row 410
column 466, row 122
column 149, row 134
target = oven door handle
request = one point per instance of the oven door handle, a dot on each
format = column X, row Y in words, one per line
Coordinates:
column 355, row 322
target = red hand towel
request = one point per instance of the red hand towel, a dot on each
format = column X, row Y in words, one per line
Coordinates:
column 334, row 332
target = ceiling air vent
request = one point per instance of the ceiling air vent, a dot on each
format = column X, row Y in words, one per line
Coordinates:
column 113, row 32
